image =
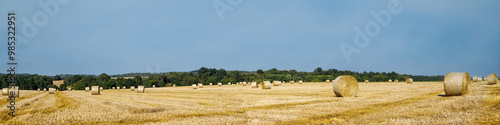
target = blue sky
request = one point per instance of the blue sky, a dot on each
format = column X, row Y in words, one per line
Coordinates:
column 121, row 36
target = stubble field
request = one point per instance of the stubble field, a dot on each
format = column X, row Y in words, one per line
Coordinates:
column 308, row 103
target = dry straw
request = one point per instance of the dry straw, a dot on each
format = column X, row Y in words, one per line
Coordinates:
column 229, row 83
column 38, row 89
column 210, row 84
column 492, row 79
column 132, row 88
column 409, row 80
column 456, row 83
column 219, row 84
column 140, row 89
column 266, row 85
column 200, row 85
column 389, row 81
column 366, row 81
column 52, row 90
column 87, row 89
column 174, row 85
column 5, row 91
column 154, row 86
column 113, row 88
column 194, row 86
column 124, row 87
column 244, row 84
column 96, row 90
column 254, row 85
column 345, row 86
column 327, row 81
column 300, row 81
column 396, row 80
column 474, row 79
column 101, row 88
column 117, row 87
column 292, row 82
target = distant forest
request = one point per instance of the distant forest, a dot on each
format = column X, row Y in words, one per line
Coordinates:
column 203, row 75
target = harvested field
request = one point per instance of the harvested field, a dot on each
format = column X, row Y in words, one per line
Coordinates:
column 313, row 103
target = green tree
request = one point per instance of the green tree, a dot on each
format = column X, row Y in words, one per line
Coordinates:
column 104, row 77
column 57, row 77
column 318, row 71
column 137, row 80
column 260, row 71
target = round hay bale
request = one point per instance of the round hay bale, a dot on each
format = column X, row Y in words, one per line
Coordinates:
column 254, row 85
column 409, row 80
column 480, row 79
column 5, row 91
column 96, row 90
column 456, row 83
column 117, row 87
column 244, row 84
column 389, row 81
column 140, row 89
column 44, row 90
column 396, row 80
column 132, row 88
column 327, row 81
column 492, row 79
column 154, row 86
column 101, row 88
column 38, row 89
column 200, row 85
column 87, row 89
column 276, row 83
column 266, row 85
column 300, row 81
column 174, row 85
column 219, row 84
column 292, row 82
column 229, row 83
column 194, row 86
column 210, row 84
column 474, row 79
column 52, row 90
column 345, row 86
column 113, row 88
column 366, row 81
column 15, row 90
column 124, row 87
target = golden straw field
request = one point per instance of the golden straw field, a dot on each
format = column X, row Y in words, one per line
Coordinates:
column 308, row 103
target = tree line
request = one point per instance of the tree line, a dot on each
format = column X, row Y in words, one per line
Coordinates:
column 205, row 75
column 27, row 81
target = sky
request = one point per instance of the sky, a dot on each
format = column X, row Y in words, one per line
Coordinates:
column 421, row 37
